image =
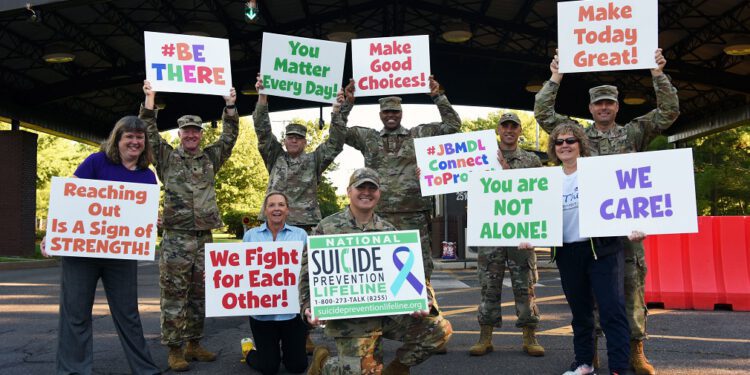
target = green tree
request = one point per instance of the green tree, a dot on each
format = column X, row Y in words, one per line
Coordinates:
column 722, row 172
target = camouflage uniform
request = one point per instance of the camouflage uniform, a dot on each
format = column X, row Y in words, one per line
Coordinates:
column 391, row 154
column 631, row 137
column 359, row 340
column 189, row 214
column 491, row 265
column 298, row 177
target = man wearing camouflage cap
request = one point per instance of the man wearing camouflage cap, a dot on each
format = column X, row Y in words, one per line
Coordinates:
column 295, row 172
column 390, row 152
column 607, row 137
column 359, row 340
column 491, row 262
column 189, row 213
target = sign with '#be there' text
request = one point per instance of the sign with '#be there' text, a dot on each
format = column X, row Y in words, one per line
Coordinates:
column 302, row 68
column 391, row 66
column 102, row 219
column 252, row 278
column 511, row 206
column 595, row 35
column 445, row 161
column 187, row 63
column 653, row 192
column 366, row 274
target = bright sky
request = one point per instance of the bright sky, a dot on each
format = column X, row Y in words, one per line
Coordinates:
column 367, row 116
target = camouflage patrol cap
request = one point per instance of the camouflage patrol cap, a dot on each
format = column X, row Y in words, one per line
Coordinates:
column 390, row 103
column 297, row 129
column 604, row 92
column 362, row 175
column 509, row 116
column 190, row 120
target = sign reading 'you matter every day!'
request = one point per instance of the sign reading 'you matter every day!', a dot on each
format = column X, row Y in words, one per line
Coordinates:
column 302, row 68
column 187, row 63
column 366, row 274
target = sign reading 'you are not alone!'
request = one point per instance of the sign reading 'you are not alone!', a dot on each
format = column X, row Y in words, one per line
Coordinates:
column 366, row 274
column 512, row 206
column 596, row 35
column 391, row 66
column 653, row 192
column 446, row 161
column 187, row 63
column 302, row 68
column 252, row 278
column 102, row 219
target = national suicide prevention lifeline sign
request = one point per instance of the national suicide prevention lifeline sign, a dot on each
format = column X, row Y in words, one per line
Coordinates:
column 187, row 63
column 366, row 274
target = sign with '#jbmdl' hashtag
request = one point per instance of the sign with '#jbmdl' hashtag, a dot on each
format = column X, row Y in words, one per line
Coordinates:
column 445, row 161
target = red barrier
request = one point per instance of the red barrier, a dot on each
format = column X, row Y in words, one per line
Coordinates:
column 701, row 270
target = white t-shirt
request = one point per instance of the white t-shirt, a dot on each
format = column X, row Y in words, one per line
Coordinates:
column 570, row 209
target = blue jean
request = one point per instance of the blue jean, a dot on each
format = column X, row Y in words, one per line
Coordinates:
column 585, row 278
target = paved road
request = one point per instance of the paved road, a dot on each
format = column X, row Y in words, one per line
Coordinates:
column 683, row 342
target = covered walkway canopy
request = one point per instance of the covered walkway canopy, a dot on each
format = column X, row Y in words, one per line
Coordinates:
column 509, row 47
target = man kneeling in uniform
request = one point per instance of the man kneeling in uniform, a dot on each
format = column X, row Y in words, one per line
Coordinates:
column 359, row 340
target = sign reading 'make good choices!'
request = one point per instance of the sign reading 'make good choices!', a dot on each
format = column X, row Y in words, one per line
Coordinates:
column 366, row 274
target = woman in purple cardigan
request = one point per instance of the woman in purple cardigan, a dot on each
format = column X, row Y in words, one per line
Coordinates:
column 124, row 156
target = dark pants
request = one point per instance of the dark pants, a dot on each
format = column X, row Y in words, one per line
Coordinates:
column 75, row 344
column 581, row 275
column 268, row 354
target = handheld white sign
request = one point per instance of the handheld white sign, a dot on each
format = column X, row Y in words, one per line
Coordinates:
column 391, row 65
column 102, row 219
column 187, row 63
column 653, row 192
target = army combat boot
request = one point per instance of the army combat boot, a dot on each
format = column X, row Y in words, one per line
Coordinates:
column 484, row 345
column 176, row 359
column 320, row 355
column 196, row 352
column 396, row 368
column 638, row 360
column 530, row 345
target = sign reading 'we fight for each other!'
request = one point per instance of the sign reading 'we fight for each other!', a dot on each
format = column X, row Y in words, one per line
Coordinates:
column 187, row 63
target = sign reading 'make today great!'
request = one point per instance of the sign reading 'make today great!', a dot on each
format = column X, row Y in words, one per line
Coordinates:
column 366, row 274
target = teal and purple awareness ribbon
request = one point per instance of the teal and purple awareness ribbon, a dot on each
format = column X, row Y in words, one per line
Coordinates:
column 405, row 272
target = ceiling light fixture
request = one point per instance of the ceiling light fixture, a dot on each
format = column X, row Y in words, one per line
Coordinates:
column 248, row 89
column 457, row 32
column 634, row 98
column 737, row 45
column 58, row 54
column 534, row 85
column 342, row 32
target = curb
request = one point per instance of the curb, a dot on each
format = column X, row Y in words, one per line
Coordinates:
column 29, row 264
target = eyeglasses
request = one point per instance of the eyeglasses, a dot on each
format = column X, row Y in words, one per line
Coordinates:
column 510, row 124
column 570, row 141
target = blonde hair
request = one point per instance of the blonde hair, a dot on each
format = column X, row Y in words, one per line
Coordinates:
column 127, row 124
column 568, row 127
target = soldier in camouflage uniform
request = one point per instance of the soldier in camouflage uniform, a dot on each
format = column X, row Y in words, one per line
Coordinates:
column 521, row 263
column 189, row 213
column 390, row 152
column 295, row 172
column 359, row 340
column 607, row 138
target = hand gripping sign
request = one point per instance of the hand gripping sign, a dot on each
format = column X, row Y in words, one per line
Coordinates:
column 596, row 35
column 366, row 274
column 392, row 65
column 252, row 278
column 302, row 68
column 187, row 63
column 102, row 219
column 653, row 192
